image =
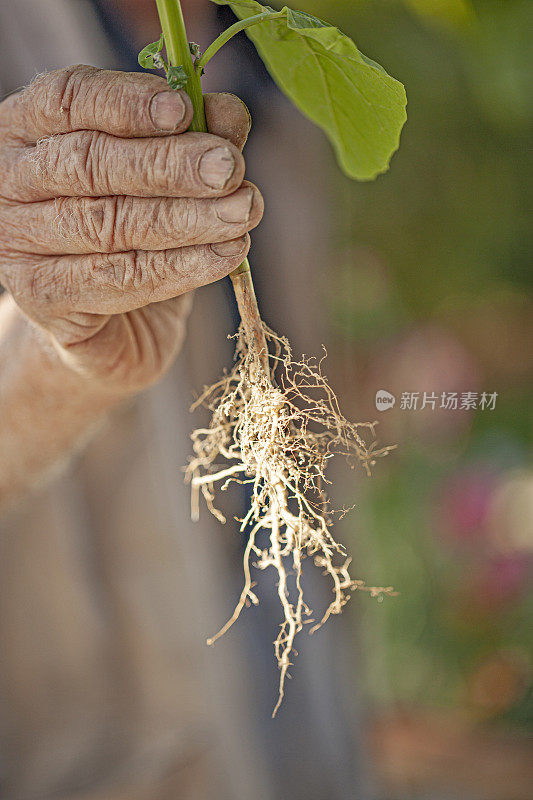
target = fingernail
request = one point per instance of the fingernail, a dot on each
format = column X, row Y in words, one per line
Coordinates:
column 167, row 110
column 236, row 207
column 216, row 167
column 233, row 248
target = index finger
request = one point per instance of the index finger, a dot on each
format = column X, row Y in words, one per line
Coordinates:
column 125, row 104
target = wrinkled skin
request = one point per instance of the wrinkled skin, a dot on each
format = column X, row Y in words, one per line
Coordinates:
column 111, row 213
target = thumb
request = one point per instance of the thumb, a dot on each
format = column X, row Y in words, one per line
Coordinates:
column 228, row 117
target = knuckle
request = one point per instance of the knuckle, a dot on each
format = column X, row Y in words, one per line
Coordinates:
column 64, row 88
column 95, row 223
column 31, row 103
column 125, row 272
column 45, row 159
column 152, row 222
column 161, row 164
column 159, row 266
column 47, row 285
column 191, row 221
column 41, row 286
column 70, row 165
column 50, row 96
column 91, row 159
column 82, row 160
column 133, row 274
column 115, row 100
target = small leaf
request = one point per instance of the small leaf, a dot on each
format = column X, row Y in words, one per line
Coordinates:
column 148, row 55
column 355, row 102
column 176, row 77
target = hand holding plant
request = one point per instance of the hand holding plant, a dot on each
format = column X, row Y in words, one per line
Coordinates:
column 275, row 420
column 111, row 213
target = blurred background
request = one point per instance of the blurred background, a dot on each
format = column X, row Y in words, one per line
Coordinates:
column 418, row 283
column 429, row 291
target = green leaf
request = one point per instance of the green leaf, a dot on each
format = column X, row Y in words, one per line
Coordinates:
column 176, row 77
column 358, row 105
column 147, row 54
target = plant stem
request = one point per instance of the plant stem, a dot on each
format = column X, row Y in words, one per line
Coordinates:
column 179, row 54
column 243, row 287
column 229, row 33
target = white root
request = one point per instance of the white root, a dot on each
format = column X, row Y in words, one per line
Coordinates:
column 280, row 430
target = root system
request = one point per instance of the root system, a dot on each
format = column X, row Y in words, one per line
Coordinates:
column 275, row 433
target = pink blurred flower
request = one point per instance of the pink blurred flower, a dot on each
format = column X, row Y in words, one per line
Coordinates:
column 503, row 579
column 464, row 505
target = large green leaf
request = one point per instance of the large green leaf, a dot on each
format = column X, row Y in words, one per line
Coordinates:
column 359, row 106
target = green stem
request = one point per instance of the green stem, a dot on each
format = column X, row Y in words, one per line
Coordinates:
column 179, row 54
column 229, row 33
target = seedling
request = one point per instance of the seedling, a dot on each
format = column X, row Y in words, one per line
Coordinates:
column 275, row 420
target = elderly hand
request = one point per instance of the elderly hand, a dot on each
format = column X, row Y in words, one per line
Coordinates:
column 110, row 213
